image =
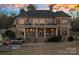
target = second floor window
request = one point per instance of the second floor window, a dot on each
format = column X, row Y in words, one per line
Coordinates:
column 27, row 22
column 35, row 21
column 21, row 21
column 41, row 21
column 63, row 21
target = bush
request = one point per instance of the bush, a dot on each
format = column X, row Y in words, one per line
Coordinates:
column 19, row 38
column 55, row 39
column 9, row 34
column 70, row 38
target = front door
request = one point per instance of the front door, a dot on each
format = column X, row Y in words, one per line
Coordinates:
column 41, row 35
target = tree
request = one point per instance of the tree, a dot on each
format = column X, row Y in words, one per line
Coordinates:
column 74, row 11
column 75, row 24
column 31, row 7
column 9, row 34
column 77, row 10
column 13, row 14
column 22, row 10
column 75, row 18
column 6, row 21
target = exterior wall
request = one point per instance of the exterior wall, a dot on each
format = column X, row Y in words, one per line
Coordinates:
column 61, row 24
column 64, row 27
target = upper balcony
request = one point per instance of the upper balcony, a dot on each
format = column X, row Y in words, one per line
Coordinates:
column 41, row 26
column 41, row 23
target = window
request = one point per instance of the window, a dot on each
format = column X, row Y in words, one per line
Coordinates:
column 63, row 21
column 41, row 21
column 30, row 30
column 21, row 21
column 27, row 22
column 21, row 31
column 35, row 21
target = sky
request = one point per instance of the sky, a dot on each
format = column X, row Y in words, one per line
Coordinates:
column 9, row 8
column 42, row 6
column 56, row 7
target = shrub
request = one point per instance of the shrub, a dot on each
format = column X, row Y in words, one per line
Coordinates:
column 9, row 34
column 54, row 39
column 70, row 38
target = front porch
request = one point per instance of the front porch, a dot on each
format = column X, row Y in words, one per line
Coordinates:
column 37, row 34
column 40, row 34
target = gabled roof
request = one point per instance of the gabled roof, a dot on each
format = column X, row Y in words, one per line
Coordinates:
column 43, row 14
column 62, row 14
column 38, row 14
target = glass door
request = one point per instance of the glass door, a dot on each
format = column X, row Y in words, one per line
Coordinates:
column 41, row 32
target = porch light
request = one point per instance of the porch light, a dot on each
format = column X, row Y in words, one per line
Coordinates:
column 52, row 30
column 31, row 30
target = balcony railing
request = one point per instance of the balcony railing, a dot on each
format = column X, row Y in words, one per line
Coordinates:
column 37, row 26
column 40, row 24
column 49, row 25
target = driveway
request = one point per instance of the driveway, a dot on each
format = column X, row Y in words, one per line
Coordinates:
column 54, row 48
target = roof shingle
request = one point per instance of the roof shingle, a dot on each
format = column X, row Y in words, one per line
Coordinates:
column 43, row 14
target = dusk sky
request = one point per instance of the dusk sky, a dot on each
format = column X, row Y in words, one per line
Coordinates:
column 56, row 7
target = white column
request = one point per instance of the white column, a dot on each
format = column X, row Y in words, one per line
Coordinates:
column 60, row 31
column 68, row 32
column 56, row 31
column 55, row 21
column 24, row 33
column 36, row 33
column 44, row 32
column 18, row 32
